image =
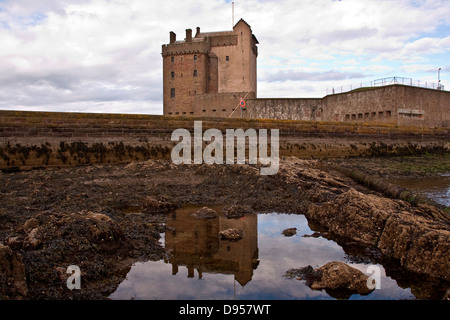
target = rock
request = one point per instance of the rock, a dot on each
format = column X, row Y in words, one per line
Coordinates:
column 101, row 227
column 337, row 278
column 205, row 213
column 289, row 232
column 306, row 273
column 13, row 284
column 231, row 234
column 99, row 217
column 238, row 211
column 355, row 215
column 33, row 241
column 153, row 206
column 31, row 224
column 341, row 281
column 422, row 245
column 419, row 237
column 313, row 235
column 336, row 275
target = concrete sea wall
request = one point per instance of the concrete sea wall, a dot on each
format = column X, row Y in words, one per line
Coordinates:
column 393, row 104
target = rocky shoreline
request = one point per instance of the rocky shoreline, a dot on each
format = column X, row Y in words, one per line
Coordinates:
column 106, row 217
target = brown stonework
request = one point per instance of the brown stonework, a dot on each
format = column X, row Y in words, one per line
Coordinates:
column 394, row 104
column 207, row 68
column 41, row 139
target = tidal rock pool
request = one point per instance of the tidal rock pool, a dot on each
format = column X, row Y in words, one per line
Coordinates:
column 201, row 265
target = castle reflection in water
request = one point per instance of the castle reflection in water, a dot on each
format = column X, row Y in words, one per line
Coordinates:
column 195, row 243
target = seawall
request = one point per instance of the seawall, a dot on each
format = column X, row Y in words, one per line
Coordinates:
column 393, row 104
column 39, row 139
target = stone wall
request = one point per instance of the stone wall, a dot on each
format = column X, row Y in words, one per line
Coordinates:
column 220, row 104
column 399, row 104
column 285, row 109
column 394, row 104
column 39, row 139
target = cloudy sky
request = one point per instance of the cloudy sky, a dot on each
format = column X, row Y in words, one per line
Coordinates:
column 105, row 55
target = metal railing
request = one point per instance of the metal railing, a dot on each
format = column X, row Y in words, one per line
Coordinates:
column 385, row 82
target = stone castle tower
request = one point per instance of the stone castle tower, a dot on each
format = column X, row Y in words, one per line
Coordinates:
column 208, row 74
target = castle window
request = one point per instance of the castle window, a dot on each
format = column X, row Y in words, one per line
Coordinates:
column 227, row 58
column 380, row 114
column 172, row 59
column 172, row 74
column 388, row 114
column 195, row 73
column 195, row 57
column 172, row 92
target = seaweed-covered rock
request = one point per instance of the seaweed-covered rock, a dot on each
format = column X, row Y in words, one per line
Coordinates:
column 367, row 214
column 12, row 275
column 419, row 237
column 238, row 211
column 421, row 244
column 231, row 234
column 205, row 213
column 153, row 206
column 341, row 280
column 289, row 232
column 338, row 279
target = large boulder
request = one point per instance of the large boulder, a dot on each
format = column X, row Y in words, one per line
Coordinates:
column 338, row 279
column 419, row 237
column 421, row 244
column 355, row 215
column 341, row 280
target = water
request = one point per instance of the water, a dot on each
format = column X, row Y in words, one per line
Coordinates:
column 436, row 187
column 201, row 266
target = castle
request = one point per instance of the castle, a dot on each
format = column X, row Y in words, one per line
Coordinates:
column 209, row 74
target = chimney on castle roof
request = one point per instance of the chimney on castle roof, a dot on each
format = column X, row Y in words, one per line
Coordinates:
column 173, row 37
column 188, row 35
column 198, row 31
